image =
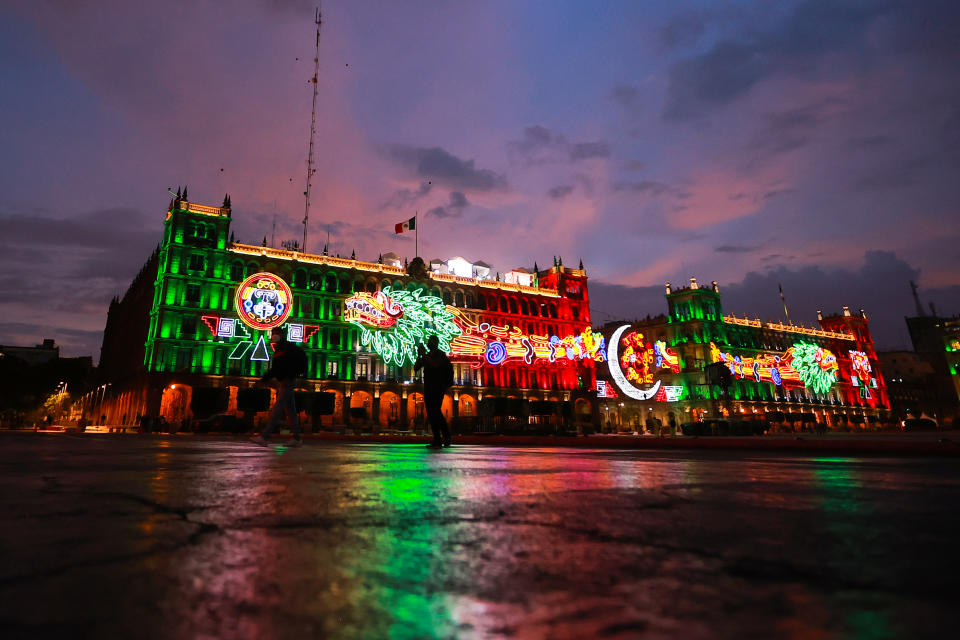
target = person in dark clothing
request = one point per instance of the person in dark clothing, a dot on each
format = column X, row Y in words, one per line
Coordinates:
column 289, row 363
column 437, row 377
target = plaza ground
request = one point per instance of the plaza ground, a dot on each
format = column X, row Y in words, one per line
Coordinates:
column 185, row 536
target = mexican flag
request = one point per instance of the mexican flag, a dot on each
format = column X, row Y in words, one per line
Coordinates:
column 406, row 225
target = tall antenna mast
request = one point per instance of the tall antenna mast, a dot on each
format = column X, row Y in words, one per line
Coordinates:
column 313, row 131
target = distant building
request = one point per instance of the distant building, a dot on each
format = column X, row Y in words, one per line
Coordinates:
column 911, row 384
column 656, row 368
column 37, row 354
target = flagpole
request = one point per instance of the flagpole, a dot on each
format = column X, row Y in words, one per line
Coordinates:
column 416, row 234
column 785, row 312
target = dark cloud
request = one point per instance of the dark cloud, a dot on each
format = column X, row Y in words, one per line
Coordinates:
column 586, row 150
column 106, row 228
column 404, row 198
column 453, row 209
column 625, row 95
column 776, row 193
column 442, row 166
column 869, row 142
column 899, row 171
column 880, row 286
column 650, row 187
column 736, row 248
column 789, row 129
column 682, row 29
column 560, row 192
column 540, row 145
column 810, row 34
column 611, row 302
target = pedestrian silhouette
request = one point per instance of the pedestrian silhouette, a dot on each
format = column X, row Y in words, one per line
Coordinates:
column 437, row 377
column 289, row 363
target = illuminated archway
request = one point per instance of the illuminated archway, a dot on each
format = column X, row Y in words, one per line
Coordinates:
column 389, row 409
column 466, row 405
column 360, row 400
column 175, row 403
column 446, row 407
column 416, row 411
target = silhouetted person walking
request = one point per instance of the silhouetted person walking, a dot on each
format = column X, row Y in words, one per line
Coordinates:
column 437, row 377
column 289, row 363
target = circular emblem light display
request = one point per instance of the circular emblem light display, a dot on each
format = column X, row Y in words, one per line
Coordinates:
column 263, row 301
column 613, row 361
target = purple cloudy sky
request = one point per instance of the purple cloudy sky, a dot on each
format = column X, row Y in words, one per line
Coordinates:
column 811, row 143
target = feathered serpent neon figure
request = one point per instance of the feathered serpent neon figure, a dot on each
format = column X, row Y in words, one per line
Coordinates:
column 393, row 323
column 816, row 366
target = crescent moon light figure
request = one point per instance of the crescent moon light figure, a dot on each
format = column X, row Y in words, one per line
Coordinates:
column 613, row 361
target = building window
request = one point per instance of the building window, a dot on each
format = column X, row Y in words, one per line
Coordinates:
column 188, row 327
column 196, row 262
column 236, row 271
column 184, row 359
column 333, row 369
column 363, row 368
column 192, row 293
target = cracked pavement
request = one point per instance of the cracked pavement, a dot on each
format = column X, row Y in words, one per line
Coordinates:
column 189, row 537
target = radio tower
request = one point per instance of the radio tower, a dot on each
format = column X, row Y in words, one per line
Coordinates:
column 313, row 131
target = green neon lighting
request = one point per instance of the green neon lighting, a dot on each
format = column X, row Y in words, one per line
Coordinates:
column 816, row 366
column 423, row 316
column 260, row 353
column 239, row 350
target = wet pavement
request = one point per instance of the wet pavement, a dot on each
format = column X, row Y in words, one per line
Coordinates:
column 183, row 537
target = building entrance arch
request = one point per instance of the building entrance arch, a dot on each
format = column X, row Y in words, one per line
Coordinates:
column 361, row 403
column 175, row 404
column 389, row 410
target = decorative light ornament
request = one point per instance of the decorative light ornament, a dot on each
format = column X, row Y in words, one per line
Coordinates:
column 613, row 361
column 263, row 301
column 862, row 375
column 816, row 366
column 393, row 323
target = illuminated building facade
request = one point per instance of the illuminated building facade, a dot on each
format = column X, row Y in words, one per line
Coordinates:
column 213, row 302
column 781, row 372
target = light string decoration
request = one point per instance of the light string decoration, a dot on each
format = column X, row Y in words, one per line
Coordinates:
column 394, row 322
column 498, row 344
column 804, row 363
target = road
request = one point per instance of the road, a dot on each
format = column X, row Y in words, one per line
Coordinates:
column 186, row 537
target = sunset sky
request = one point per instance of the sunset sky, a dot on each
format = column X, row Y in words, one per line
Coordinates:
column 813, row 144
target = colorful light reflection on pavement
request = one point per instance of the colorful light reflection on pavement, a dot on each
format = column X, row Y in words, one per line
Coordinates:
column 192, row 537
